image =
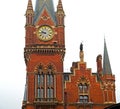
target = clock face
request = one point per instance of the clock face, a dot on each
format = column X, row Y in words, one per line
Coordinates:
column 45, row 33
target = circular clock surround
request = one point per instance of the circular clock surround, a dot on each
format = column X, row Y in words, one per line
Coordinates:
column 45, row 33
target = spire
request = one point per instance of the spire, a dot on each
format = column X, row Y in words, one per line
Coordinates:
column 106, row 62
column 29, row 8
column 60, row 7
column 40, row 5
column 29, row 13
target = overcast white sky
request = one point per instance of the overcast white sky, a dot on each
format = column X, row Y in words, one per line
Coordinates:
column 86, row 20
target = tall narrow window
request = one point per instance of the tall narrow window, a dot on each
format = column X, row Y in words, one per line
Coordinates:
column 51, row 93
column 81, row 88
column 85, row 88
column 48, row 95
column 45, row 86
column 83, row 98
column 50, row 83
column 50, row 79
column 40, row 84
column 40, row 93
column 40, row 79
column 86, row 99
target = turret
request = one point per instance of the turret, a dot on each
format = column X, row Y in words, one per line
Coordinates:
column 29, row 24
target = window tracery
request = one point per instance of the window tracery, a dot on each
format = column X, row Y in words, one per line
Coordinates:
column 83, row 88
column 45, row 85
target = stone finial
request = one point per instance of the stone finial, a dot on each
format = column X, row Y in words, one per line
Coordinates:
column 81, row 47
column 81, row 53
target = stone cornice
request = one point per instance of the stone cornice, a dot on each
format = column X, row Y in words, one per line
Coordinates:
column 43, row 50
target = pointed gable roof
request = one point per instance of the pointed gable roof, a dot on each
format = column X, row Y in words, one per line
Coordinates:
column 106, row 61
column 42, row 4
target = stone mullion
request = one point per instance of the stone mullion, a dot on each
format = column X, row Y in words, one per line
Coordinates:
column 54, row 86
column 36, row 86
column 45, row 86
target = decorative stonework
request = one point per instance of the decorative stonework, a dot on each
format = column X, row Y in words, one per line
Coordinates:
column 108, row 86
column 48, row 50
column 27, row 57
column 45, row 68
column 83, row 80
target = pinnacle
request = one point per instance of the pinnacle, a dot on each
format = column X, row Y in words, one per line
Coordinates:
column 29, row 7
column 60, row 5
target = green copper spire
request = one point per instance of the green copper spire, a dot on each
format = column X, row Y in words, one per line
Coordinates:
column 40, row 5
column 106, row 61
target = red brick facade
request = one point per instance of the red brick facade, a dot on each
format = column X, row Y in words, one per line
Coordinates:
column 86, row 90
column 47, row 86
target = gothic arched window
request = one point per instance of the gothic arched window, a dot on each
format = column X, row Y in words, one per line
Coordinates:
column 40, row 93
column 50, row 94
column 83, row 88
column 83, row 98
column 40, row 83
column 50, row 78
column 40, row 79
column 83, row 93
column 45, row 83
column 50, row 83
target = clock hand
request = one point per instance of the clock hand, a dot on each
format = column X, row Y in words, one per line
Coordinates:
column 43, row 32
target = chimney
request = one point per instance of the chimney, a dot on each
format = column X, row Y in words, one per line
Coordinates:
column 99, row 64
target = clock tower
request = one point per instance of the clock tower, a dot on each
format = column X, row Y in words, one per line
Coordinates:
column 44, row 55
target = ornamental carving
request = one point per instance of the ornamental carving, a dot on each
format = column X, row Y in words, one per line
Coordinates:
column 83, row 80
column 108, row 85
column 26, row 57
column 45, row 68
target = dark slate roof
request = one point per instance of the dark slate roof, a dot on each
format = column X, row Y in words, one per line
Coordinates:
column 40, row 5
column 106, row 61
column 97, row 76
column 25, row 94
